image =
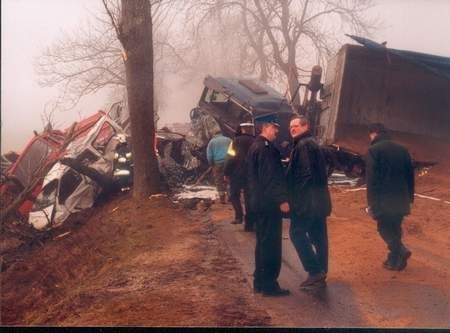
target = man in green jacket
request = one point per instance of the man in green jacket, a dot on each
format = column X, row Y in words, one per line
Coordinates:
column 390, row 192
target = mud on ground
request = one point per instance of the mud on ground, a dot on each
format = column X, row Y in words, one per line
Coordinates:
column 131, row 263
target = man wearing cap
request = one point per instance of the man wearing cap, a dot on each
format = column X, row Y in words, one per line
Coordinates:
column 390, row 192
column 216, row 153
column 268, row 199
column 236, row 173
column 310, row 203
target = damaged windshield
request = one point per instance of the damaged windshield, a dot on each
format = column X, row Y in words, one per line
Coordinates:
column 47, row 196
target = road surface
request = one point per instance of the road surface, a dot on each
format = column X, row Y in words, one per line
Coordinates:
column 360, row 293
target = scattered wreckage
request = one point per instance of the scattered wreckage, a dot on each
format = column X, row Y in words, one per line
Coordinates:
column 408, row 91
column 63, row 172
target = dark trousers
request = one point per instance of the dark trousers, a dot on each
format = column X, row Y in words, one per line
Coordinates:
column 217, row 170
column 268, row 250
column 310, row 238
column 235, row 198
column 390, row 229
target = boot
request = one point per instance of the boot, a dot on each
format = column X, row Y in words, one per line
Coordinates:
column 403, row 259
column 314, row 281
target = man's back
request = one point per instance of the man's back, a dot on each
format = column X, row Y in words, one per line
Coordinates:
column 390, row 177
column 216, row 150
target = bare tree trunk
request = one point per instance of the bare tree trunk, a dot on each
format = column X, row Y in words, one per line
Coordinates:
column 135, row 34
column 293, row 82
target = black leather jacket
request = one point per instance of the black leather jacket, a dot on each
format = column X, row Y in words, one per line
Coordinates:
column 307, row 178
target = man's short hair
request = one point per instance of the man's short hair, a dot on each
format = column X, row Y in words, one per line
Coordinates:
column 269, row 123
column 377, row 128
column 303, row 120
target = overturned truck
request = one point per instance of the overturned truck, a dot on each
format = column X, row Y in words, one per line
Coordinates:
column 407, row 91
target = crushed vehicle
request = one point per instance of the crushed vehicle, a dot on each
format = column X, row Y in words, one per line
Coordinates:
column 407, row 91
column 227, row 102
column 180, row 158
column 41, row 152
column 75, row 181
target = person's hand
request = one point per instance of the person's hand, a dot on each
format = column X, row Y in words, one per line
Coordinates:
column 284, row 207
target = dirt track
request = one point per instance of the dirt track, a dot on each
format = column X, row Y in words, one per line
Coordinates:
column 154, row 264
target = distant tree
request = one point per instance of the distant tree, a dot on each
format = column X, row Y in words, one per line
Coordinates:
column 133, row 26
column 284, row 38
column 89, row 59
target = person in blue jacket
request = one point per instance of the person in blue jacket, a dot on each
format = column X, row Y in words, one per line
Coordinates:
column 216, row 153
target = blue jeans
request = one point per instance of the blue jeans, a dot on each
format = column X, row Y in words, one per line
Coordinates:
column 310, row 239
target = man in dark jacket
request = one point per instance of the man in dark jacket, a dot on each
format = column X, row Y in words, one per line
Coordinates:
column 268, row 199
column 390, row 191
column 236, row 173
column 310, row 203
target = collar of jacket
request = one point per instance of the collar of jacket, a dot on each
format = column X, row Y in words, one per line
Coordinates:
column 263, row 139
column 306, row 134
column 380, row 137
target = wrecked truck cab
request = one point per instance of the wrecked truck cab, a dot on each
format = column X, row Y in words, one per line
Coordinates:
column 227, row 102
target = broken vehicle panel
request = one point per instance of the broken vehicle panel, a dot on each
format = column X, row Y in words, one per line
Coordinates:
column 65, row 191
column 72, row 188
column 180, row 160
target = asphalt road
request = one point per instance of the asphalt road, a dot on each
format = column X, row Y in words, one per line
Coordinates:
column 339, row 304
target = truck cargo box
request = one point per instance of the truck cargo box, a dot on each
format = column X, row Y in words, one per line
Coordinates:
column 406, row 91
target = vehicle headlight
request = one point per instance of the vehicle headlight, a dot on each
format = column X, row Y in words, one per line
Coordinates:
column 122, row 159
column 116, row 155
column 128, row 155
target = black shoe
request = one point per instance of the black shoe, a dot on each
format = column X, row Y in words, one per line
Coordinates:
column 313, row 279
column 275, row 292
column 388, row 264
column 403, row 259
column 314, row 285
column 236, row 221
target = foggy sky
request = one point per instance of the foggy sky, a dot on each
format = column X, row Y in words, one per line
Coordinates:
column 28, row 26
